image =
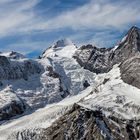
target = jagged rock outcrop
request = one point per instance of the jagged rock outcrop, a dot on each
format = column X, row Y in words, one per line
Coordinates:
column 101, row 60
column 127, row 48
column 11, row 110
column 93, row 58
column 17, row 69
column 81, row 123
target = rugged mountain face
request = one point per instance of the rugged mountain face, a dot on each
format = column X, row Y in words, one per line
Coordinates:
column 130, row 71
column 47, row 80
column 128, row 47
column 11, row 72
column 71, row 73
column 81, row 123
column 108, row 108
column 101, row 60
column 93, row 58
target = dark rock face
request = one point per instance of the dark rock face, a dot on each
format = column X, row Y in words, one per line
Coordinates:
column 101, row 60
column 14, row 108
column 128, row 47
column 64, row 91
column 52, row 73
column 4, row 61
column 84, row 124
column 130, row 71
column 93, row 58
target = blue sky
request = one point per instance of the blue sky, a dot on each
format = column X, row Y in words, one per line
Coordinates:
column 30, row 26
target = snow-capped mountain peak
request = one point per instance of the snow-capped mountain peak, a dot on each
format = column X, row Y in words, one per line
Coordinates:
column 13, row 55
column 62, row 43
column 62, row 48
column 131, row 37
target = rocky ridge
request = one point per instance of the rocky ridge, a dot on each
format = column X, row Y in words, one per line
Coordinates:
column 101, row 60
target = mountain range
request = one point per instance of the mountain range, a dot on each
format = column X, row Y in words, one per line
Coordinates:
column 72, row 93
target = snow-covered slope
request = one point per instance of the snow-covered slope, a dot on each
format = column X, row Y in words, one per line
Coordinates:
column 114, row 97
column 47, row 80
column 109, row 112
column 62, row 48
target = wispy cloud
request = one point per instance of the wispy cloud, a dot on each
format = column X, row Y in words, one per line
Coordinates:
column 26, row 47
column 92, row 22
column 15, row 15
column 19, row 16
column 97, row 14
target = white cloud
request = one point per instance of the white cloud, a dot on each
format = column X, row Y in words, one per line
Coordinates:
column 98, row 14
column 15, row 15
column 102, row 38
column 19, row 16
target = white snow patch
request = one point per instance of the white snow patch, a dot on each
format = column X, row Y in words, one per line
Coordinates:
column 114, row 48
column 124, row 38
column 114, row 97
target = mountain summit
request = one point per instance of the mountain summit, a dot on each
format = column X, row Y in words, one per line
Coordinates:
column 62, row 48
column 62, row 43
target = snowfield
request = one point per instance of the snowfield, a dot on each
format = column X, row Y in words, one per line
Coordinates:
column 114, row 97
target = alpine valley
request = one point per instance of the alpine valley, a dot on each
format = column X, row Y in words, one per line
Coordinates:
column 72, row 93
